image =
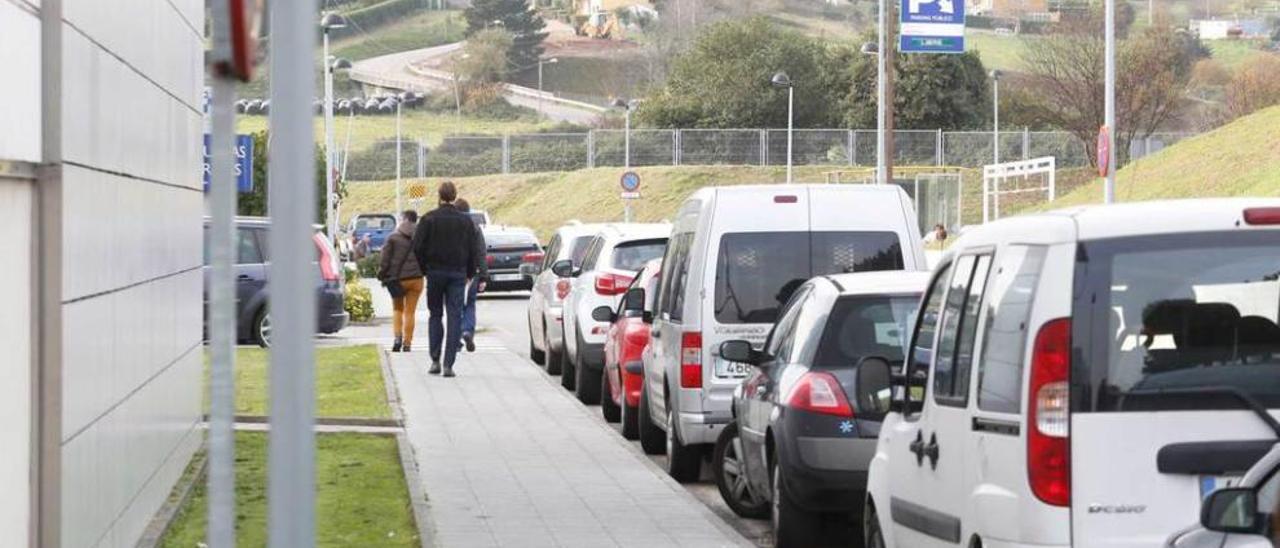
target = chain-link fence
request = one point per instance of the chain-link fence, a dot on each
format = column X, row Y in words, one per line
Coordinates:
column 466, row 155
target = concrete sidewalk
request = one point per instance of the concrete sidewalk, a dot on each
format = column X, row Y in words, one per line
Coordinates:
column 506, row 458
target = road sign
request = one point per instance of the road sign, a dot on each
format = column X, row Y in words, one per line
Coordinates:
column 630, row 181
column 244, row 163
column 932, row 26
column 1104, row 151
column 417, row 192
column 630, row 195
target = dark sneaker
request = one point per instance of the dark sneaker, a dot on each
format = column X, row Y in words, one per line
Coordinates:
column 470, row 340
column 397, row 346
column 435, row 368
column 406, row 349
column 448, row 372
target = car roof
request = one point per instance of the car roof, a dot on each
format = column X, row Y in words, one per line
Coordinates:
column 578, row 229
column 881, row 283
column 635, row 231
column 499, row 229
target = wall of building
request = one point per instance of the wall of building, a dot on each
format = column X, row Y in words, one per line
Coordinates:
column 132, row 77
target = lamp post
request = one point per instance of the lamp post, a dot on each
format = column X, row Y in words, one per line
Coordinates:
column 995, row 116
column 1109, row 189
column 783, row 81
column 328, row 22
column 541, row 61
column 882, row 48
column 627, row 107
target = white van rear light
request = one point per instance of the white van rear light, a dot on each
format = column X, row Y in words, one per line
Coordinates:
column 1262, row 216
column 1048, row 426
column 691, row 359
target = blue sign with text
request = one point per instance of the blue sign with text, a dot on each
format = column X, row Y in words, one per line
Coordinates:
column 932, row 26
column 244, row 163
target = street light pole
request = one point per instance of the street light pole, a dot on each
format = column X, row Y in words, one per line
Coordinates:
column 398, row 162
column 626, row 155
column 781, row 79
column 552, row 61
column 995, row 116
column 1109, row 192
column 881, row 93
column 327, row 22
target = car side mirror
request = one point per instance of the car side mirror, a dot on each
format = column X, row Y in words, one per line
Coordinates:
column 563, row 268
column 739, row 351
column 873, row 390
column 1231, row 510
column 633, row 301
column 603, row 314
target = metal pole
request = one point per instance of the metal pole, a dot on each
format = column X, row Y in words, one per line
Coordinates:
column 995, row 121
column 626, row 156
column 791, row 120
column 330, row 223
column 890, row 74
column 881, row 99
column 222, row 201
column 1109, row 193
column 457, row 96
column 539, row 86
column 291, row 466
column 398, row 159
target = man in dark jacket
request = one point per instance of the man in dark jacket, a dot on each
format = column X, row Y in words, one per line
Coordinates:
column 444, row 245
column 476, row 286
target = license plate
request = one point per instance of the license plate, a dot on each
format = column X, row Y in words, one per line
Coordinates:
column 732, row 370
column 1209, row 484
column 507, row 277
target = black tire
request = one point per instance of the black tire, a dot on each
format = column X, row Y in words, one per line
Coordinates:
column 630, row 421
column 538, row 356
column 684, row 462
column 612, row 412
column 792, row 527
column 554, row 359
column 262, row 328
column 652, row 439
column 587, row 380
column 872, row 536
column 731, row 476
column 568, row 377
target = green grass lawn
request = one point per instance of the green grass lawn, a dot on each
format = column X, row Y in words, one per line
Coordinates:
column 421, row 30
column 348, row 382
column 361, row 496
column 1002, row 52
column 1232, row 53
column 415, row 124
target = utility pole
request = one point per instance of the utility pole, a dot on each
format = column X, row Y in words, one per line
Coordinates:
column 1109, row 192
column 884, row 93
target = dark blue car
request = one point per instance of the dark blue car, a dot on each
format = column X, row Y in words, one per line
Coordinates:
column 377, row 226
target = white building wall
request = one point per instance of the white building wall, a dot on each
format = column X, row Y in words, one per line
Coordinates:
column 132, row 204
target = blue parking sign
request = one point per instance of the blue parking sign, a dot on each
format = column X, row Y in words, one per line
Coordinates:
column 932, row 26
column 244, row 163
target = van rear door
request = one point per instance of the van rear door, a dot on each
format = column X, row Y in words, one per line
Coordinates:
column 843, row 208
column 1175, row 382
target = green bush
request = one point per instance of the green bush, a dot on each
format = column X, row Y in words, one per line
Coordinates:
column 358, row 302
column 369, row 265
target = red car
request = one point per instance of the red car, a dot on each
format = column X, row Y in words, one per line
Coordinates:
column 628, row 335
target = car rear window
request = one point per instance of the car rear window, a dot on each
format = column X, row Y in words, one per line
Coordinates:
column 865, row 326
column 634, row 255
column 1179, row 322
column 510, row 240
column 380, row 222
column 756, row 272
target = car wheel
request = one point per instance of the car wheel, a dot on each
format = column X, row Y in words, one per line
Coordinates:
column 684, row 463
column 731, row 475
column 792, row 527
column 872, row 536
column 611, row 411
column 262, row 328
column 568, row 377
column 586, row 379
column 538, row 356
column 630, row 422
column 554, row 359
column 652, row 440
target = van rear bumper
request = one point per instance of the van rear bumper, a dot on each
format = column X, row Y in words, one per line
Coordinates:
column 701, row 428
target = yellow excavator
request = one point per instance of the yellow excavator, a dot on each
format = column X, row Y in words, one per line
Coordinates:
column 601, row 25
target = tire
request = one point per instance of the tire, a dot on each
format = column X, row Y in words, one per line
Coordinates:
column 872, row 536
column 612, row 412
column 792, row 527
column 554, row 359
column 684, row 462
column 586, row 379
column 538, row 356
column 630, row 421
column 568, row 377
column 262, row 328
column 652, row 439
column 731, row 476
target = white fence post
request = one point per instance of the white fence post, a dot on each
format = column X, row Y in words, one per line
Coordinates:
column 506, row 154
column 853, row 148
column 764, row 148
column 591, row 148
column 938, row 148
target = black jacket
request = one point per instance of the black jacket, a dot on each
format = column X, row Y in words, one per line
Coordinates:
column 446, row 240
column 482, row 250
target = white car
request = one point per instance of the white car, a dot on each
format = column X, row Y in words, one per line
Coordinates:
column 614, row 257
column 735, row 255
column 546, row 338
column 1242, row 516
column 1083, row 378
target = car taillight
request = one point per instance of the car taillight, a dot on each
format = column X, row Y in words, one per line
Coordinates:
column 562, row 289
column 691, row 359
column 819, row 392
column 1262, row 216
column 1049, row 434
column 489, row 260
column 608, row 284
column 328, row 267
column 532, row 257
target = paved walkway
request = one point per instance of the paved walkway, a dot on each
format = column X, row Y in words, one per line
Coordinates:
column 509, row 459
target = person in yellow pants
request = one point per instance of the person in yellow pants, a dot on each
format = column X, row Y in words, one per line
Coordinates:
column 401, row 274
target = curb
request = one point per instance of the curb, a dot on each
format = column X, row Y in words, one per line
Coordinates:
column 408, row 461
column 327, row 421
column 160, row 523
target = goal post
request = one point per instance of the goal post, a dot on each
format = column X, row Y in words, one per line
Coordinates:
column 1013, row 182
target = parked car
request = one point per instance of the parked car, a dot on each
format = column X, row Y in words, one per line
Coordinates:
column 614, row 256
column 734, row 257
column 1246, row 515
column 805, row 420
column 546, row 339
column 624, row 343
column 253, row 321
column 377, row 226
column 1095, row 372
column 510, row 248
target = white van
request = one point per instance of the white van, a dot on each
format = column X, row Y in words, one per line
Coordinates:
column 734, row 257
column 1084, row 378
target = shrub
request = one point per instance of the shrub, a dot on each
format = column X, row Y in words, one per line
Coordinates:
column 358, row 302
column 368, row 266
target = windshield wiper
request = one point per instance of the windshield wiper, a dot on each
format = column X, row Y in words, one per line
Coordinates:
column 1235, row 393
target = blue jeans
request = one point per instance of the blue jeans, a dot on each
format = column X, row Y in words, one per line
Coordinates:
column 469, row 310
column 445, row 290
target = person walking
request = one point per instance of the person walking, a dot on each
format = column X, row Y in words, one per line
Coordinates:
column 476, row 287
column 444, row 244
column 403, row 279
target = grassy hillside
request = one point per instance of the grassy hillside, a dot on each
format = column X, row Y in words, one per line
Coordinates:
column 1239, row 159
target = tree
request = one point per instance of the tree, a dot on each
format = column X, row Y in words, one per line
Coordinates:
column 1256, row 85
column 255, row 203
column 524, row 24
column 949, row 92
column 484, row 56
